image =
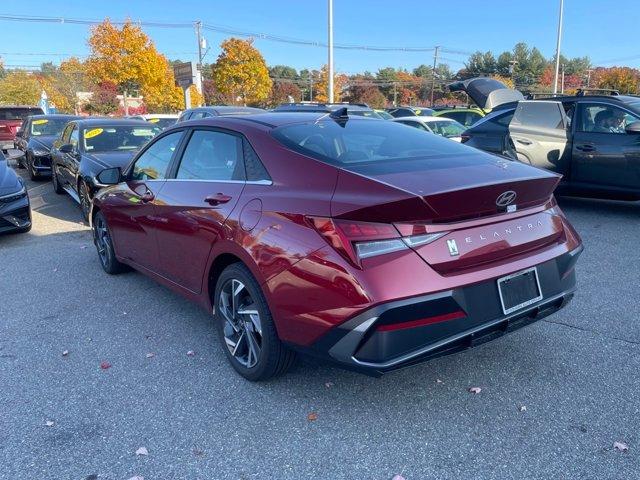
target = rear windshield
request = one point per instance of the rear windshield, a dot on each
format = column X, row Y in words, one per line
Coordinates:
column 364, row 141
column 18, row 113
column 121, row 137
column 48, row 126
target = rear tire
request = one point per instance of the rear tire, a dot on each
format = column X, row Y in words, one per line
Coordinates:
column 245, row 327
column 56, row 182
column 104, row 245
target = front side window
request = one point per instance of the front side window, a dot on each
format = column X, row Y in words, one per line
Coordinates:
column 117, row 137
column 153, row 163
column 212, row 155
column 66, row 135
column 73, row 139
column 602, row 118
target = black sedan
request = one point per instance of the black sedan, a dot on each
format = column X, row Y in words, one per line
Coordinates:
column 15, row 211
column 35, row 139
column 90, row 145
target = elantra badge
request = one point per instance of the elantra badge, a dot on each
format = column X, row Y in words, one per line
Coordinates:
column 453, row 247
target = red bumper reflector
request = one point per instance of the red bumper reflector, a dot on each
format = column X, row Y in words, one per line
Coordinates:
column 421, row 322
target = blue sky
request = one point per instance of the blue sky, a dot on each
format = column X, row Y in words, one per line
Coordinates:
column 596, row 28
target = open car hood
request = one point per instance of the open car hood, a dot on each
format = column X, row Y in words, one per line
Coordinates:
column 487, row 93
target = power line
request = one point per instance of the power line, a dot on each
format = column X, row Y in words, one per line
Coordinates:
column 229, row 31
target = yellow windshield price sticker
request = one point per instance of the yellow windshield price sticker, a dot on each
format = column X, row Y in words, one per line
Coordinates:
column 94, row 132
column 154, row 120
column 40, row 121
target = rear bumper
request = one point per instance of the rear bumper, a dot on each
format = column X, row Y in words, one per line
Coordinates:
column 385, row 337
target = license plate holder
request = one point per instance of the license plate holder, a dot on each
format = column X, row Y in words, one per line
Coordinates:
column 519, row 290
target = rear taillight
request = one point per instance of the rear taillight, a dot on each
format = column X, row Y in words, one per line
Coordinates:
column 360, row 240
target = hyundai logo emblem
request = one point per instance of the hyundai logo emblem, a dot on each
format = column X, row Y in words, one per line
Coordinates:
column 506, row 198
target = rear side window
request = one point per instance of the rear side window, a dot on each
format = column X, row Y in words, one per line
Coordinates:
column 253, row 166
column 540, row 114
column 212, row 155
column 154, row 161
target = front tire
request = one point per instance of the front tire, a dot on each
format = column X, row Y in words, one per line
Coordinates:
column 104, row 245
column 85, row 201
column 245, row 327
column 54, row 179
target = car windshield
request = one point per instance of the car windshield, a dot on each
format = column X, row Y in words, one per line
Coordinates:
column 162, row 122
column 18, row 113
column 364, row 141
column 446, row 129
column 364, row 113
column 109, row 138
column 47, row 126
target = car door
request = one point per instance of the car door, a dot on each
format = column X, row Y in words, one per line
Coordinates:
column 69, row 161
column 192, row 208
column 22, row 136
column 133, row 222
column 540, row 135
column 56, row 154
column 604, row 154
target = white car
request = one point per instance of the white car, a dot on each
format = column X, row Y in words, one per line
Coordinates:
column 445, row 127
column 162, row 120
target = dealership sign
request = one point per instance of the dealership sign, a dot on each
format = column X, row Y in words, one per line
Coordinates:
column 184, row 74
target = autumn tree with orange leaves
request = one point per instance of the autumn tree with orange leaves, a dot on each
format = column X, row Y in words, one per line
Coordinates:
column 241, row 72
column 127, row 58
column 322, row 87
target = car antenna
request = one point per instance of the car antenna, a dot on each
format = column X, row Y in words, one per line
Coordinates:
column 341, row 116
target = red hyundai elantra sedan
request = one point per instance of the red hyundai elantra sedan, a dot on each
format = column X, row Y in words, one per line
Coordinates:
column 365, row 242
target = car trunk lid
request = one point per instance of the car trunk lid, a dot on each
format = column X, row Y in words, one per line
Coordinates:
column 487, row 93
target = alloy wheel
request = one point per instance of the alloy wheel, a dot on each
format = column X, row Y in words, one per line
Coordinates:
column 85, row 203
column 103, row 242
column 242, row 324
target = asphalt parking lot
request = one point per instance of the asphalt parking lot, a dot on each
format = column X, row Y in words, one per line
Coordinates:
column 576, row 373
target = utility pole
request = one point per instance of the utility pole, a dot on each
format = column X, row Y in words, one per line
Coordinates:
column 330, row 92
column 433, row 72
column 562, row 87
column 589, row 70
column 555, row 78
column 310, row 86
column 395, row 94
column 202, row 45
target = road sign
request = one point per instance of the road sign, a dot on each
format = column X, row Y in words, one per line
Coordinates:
column 184, row 74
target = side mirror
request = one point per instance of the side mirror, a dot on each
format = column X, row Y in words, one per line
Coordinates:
column 66, row 148
column 633, row 128
column 109, row 176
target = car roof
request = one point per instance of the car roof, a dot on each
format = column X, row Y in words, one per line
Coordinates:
column 158, row 115
column 426, row 118
column 56, row 115
column 267, row 119
column 33, row 107
column 106, row 121
column 321, row 107
column 225, row 109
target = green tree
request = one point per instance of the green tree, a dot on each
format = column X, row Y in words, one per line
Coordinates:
column 283, row 72
column 19, row 87
column 241, row 72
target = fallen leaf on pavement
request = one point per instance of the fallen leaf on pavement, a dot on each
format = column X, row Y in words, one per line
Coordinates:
column 197, row 452
column 191, row 353
column 312, row 417
column 398, row 477
column 475, row 390
column 49, row 423
column 523, row 408
column 65, row 353
column 55, row 269
column 105, row 365
column 142, row 451
column 83, row 247
column 328, row 384
column 623, row 447
column 439, row 381
column 150, row 355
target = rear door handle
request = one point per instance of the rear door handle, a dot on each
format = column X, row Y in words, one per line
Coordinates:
column 217, row 199
column 585, row 148
column 523, row 141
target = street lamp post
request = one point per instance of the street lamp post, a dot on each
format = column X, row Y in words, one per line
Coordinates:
column 555, row 78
